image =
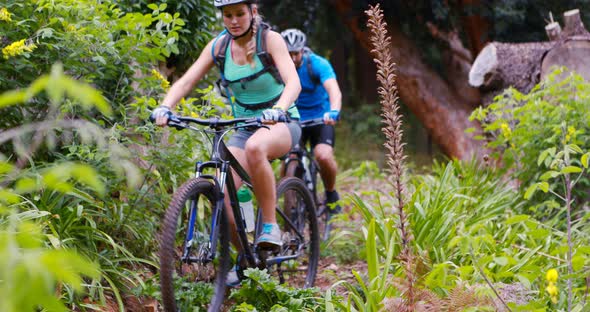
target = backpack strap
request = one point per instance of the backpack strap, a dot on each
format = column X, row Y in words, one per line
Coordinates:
column 265, row 58
column 315, row 80
column 219, row 57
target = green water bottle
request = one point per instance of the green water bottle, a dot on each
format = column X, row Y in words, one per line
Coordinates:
column 245, row 199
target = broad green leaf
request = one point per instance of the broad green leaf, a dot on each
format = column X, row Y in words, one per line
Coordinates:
column 571, row 169
column 542, row 157
column 584, row 160
column 516, row 219
column 5, row 167
column 502, row 261
column 12, row 97
column 9, row 197
column 87, row 95
column 524, row 280
column 26, row 185
column 549, row 175
column 575, row 149
column 578, row 262
column 530, row 191
column 87, row 175
column 544, row 186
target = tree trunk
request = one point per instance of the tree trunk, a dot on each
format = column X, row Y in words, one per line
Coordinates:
column 457, row 63
column 475, row 26
column 573, row 53
column 502, row 65
column 428, row 96
column 523, row 65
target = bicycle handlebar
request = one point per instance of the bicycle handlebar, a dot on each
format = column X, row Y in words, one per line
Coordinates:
column 312, row 122
column 181, row 122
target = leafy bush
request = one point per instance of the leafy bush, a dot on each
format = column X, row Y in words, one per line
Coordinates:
column 30, row 274
column 522, row 127
column 260, row 292
column 71, row 192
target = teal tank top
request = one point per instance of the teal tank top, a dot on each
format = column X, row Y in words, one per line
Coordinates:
column 262, row 89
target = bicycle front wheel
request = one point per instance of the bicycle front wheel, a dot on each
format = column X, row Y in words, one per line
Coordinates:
column 297, row 262
column 194, row 250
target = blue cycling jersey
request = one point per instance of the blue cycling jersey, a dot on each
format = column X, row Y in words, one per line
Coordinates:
column 313, row 100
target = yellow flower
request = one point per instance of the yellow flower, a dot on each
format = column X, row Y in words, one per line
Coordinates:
column 571, row 130
column 552, row 275
column 551, row 289
column 164, row 82
column 17, row 48
column 506, row 131
column 5, row 15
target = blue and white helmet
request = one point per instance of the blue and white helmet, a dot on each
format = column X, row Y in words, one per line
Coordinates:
column 295, row 39
column 221, row 3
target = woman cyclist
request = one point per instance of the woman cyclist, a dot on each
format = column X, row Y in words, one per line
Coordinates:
column 261, row 88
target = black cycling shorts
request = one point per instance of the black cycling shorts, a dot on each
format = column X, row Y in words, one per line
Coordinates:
column 319, row 134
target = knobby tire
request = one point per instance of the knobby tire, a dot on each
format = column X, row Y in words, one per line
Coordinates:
column 171, row 246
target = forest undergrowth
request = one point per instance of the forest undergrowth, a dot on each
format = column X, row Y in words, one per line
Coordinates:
column 82, row 188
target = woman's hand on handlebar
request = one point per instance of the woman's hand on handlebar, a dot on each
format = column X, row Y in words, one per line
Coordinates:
column 274, row 115
column 160, row 115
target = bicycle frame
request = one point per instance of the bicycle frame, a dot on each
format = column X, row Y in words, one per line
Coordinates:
column 223, row 161
column 301, row 152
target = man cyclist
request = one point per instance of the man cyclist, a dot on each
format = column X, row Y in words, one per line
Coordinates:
column 320, row 97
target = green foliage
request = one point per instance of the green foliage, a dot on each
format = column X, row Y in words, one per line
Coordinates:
column 200, row 19
column 526, row 129
column 30, row 274
column 72, row 193
column 193, row 296
column 260, row 292
column 377, row 287
column 456, row 195
column 95, row 41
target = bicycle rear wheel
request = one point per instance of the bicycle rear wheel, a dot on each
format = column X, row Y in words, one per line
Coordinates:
column 296, row 264
column 192, row 274
column 294, row 168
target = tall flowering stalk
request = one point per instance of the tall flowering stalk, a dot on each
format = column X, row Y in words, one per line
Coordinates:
column 393, row 133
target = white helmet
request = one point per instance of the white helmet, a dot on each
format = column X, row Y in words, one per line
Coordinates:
column 295, row 39
column 222, row 3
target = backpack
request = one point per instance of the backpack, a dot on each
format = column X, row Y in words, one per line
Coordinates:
column 312, row 75
column 265, row 58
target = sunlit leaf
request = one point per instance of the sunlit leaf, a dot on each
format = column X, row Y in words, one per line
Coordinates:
column 549, row 175
column 571, row 169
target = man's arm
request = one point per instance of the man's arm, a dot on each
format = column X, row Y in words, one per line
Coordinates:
column 331, row 86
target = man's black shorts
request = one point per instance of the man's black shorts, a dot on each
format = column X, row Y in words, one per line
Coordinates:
column 319, row 134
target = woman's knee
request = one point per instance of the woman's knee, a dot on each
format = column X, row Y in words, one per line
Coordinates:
column 255, row 152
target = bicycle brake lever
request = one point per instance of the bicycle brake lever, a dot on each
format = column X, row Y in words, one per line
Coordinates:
column 173, row 121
